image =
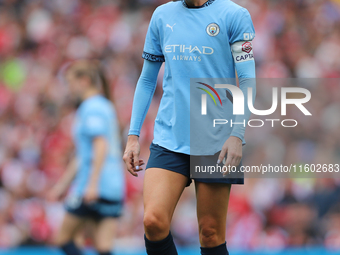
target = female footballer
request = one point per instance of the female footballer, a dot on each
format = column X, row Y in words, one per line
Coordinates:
column 195, row 39
column 97, row 190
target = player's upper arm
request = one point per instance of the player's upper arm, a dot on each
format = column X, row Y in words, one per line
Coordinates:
column 152, row 47
column 241, row 34
column 241, row 27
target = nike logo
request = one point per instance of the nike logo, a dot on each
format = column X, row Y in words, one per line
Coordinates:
column 172, row 27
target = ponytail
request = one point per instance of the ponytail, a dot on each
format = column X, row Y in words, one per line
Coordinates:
column 104, row 83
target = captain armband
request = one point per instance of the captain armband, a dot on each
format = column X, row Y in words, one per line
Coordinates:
column 242, row 51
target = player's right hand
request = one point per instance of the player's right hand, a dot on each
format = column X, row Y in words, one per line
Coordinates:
column 131, row 155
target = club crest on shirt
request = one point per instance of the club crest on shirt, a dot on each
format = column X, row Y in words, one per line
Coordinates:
column 213, row 29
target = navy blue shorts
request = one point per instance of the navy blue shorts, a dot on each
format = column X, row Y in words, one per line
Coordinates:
column 161, row 157
column 98, row 210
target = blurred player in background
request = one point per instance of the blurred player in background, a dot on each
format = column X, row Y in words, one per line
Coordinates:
column 195, row 39
column 97, row 191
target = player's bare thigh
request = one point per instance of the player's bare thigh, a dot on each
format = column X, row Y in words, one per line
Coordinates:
column 162, row 190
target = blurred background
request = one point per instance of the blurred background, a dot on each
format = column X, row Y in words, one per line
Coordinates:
column 294, row 39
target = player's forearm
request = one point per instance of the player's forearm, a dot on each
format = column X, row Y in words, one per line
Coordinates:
column 246, row 74
column 99, row 155
column 68, row 176
column 143, row 95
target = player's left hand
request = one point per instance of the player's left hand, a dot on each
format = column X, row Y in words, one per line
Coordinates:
column 233, row 148
column 91, row 194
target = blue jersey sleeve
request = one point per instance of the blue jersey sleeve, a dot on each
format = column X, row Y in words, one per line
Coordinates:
column 95, row 124
column 241, row 33
column 152, row 47
column 241, row 28
column 246, row 75
column 145, row 89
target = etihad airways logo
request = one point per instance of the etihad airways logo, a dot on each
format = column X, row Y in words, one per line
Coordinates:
column 188, row 52
column 189, row 49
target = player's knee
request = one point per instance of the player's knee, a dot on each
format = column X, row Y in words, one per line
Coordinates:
column 155, row 223
column 209, row 236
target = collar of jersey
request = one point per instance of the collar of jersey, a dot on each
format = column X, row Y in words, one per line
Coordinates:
column 207, row 3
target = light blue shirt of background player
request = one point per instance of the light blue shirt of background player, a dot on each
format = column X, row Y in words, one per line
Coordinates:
column 207, row 42
column 95, row 117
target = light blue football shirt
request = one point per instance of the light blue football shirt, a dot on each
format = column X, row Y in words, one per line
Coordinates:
column 96, row 117
column 194, row 43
